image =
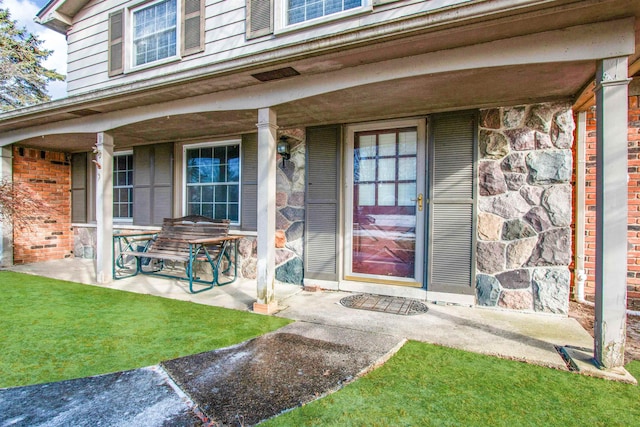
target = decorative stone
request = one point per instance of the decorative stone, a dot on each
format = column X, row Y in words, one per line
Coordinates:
column 490, row 118
column 297, row 247
column 489, row 226
column 490, row 257
column 281, row 199
column 551, row 290
column 553, row 248
column 296, row 199
column 516, row 299
column 549, row 167
column 516, row 229
column 532, row 194
column 543, row 141
column 295, row 231
column 290, row 272
column 491, row 179
column 515, row 279
column 557, row 201
column 283, row 183
column 515, row 181
column 538, row 218
column 293, row 214
column 493, row 145
column 249, row 268
column 513, row 117
column 288, row 168
column 246, row 247
column 515, row 162
column 539, row 117
column 521, row 139
column 282, row 223
column 519, row 252
column 283, row 255
column 487, row 290
column 509, row 205
column 562, row 128
column 281, row 239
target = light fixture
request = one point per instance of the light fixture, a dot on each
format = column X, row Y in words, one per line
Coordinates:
column 284, row 149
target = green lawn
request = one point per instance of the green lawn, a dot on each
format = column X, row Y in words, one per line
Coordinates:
column 53, row 330
column 426, row 385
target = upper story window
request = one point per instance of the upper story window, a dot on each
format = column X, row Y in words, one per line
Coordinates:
column 212, row 180
column 155, row 32
column 304, row 10
column 123, row 186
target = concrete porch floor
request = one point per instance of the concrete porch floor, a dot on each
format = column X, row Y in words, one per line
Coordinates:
column 519, row 336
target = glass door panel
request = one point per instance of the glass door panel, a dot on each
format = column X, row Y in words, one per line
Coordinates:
column 384, row 208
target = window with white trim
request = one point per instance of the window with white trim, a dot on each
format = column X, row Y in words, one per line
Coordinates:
column 212, row 180
column 123, row 186
column 155, row 32
column 299, row 11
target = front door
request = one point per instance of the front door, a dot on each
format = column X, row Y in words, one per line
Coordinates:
column 385, row 224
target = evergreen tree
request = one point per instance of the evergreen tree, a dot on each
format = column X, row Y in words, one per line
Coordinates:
column 23, row 78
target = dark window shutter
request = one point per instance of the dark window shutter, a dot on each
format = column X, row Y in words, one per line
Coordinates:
column 259, row 19
column 321, row 222
column 152, row 183
column 249, row 220
column 192, row 26
column 116, row 43
column 79, row 188
column 452, row 204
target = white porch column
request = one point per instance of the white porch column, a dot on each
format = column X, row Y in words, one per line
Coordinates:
column 6, row 228
column 104, row 208
column 267, row 128
column 611, row 211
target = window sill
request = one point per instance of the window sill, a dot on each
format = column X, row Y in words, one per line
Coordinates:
column 154, row 64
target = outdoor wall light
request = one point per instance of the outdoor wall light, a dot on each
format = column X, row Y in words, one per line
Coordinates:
column 284, row 149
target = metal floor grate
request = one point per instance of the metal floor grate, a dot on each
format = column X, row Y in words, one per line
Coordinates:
column 384, row 304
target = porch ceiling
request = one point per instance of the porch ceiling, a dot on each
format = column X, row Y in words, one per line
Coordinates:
column 479, row 88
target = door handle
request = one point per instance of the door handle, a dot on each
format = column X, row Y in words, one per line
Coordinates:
column 419, row 199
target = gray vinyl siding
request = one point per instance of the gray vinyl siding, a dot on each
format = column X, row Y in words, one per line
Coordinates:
column 225, row 38
column 152, row 183
column 451, row 258
column 249, row 196
column 323, row 146
column 79, row 188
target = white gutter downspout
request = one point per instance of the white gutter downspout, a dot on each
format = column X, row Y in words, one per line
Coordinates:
column 580, row 272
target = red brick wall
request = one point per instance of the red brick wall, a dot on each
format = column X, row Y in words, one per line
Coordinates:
column 47, row 174
column 633, row 260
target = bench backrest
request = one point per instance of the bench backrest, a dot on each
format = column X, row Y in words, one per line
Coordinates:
column 186, row 228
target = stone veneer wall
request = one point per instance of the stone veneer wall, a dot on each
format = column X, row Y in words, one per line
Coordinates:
column 524, row 207
column 47, row 175
column 290, row 187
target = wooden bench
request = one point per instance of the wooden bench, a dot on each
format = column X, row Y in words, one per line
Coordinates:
column 189, row 240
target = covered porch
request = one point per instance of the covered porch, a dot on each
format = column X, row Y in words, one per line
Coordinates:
column 519, row 60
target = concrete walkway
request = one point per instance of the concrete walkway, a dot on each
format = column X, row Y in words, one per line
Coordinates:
column 320, row 317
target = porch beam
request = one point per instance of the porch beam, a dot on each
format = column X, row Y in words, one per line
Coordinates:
column 104, row 207
column 267, row 134
column 611, row 211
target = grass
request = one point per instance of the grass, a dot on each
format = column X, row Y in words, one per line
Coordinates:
column 428, row 385
column 54, row 330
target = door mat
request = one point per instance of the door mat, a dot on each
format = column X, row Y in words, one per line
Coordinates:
column 384, row 304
